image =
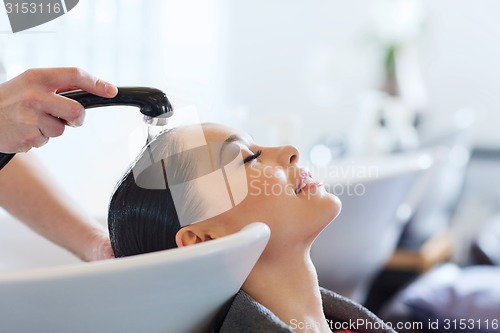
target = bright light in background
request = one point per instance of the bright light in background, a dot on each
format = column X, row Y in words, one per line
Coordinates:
column 189, row 22
column 320, row 155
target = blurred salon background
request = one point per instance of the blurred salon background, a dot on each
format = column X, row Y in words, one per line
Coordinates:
column 409, row 86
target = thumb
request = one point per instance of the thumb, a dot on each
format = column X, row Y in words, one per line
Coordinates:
column 71, row 78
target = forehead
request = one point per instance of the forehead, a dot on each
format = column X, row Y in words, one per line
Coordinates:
column 216, row 172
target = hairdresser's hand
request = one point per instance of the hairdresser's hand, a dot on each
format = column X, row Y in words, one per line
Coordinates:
column 99, row 248
column 31, row 112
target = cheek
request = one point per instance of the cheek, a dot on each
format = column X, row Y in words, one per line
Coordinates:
column 269, row 184
column 261, row 205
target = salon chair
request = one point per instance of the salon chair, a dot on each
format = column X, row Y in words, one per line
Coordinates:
column 176, row 291
column 379, row 196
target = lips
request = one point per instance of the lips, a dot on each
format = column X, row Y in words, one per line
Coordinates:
column 305, row 180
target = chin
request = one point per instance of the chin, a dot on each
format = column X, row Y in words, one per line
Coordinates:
column 334, row 206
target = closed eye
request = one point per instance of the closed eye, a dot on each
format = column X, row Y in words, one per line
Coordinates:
column 252, row 156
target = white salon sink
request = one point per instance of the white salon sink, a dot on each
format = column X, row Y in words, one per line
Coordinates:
column 176, row 291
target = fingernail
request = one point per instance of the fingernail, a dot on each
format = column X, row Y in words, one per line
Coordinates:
column 78, row 121
column 110, row 89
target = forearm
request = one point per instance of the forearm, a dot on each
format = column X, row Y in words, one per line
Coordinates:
column 31, row 195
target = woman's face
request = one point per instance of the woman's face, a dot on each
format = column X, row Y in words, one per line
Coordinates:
column 280, row 193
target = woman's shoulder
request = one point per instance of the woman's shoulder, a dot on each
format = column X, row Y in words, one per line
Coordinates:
column 245, row 314
column 347, row 314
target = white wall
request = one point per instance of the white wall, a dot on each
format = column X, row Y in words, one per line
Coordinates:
column 461, row 62
column 300, row 62
column 285, row 70
column 314, row 60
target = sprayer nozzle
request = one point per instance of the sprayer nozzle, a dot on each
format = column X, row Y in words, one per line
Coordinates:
column 157, row 121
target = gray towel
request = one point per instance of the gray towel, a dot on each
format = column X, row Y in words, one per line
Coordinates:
column 247, row 315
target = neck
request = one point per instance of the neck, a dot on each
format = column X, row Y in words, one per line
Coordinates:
column 288, row 287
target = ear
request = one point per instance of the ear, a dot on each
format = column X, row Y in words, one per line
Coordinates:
column 190, row 235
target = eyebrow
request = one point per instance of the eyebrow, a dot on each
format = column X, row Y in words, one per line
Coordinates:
column 230, row 139
column 233, row 138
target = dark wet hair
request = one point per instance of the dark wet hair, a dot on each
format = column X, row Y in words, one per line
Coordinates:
column 143, row 218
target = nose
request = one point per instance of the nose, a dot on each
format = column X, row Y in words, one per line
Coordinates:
column 288, row 155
